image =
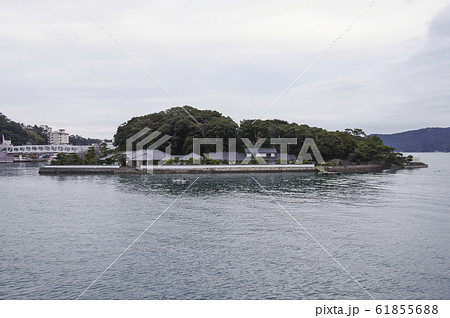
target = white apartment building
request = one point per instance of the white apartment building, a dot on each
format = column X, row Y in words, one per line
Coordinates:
column 59, row 137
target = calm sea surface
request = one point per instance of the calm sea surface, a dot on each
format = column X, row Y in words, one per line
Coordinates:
column 226, row 238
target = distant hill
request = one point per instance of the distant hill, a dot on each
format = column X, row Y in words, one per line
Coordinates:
column 77, row 140
column 422, row 140
column 19, row 135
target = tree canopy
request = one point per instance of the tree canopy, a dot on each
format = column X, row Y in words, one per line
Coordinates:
column 19, row 135
column 78, row 140
column 176, row 122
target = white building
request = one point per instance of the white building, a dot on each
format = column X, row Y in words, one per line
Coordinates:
column 6, row 142
column 5, row 157
column 59, row 137
column 109, row 144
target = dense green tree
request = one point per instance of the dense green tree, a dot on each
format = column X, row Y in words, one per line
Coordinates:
column 78, row 140
column 212, row 124
column 177, row 123
column 67, row 159
column 357, row 133
column 91, row 157
column 349, row 142
column 13, row 131
column 371, row 149
column 330, row 145
column 35, row 138
column 19, row 134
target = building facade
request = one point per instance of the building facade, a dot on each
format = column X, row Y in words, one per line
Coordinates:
column 5, row 157
column 60, row 137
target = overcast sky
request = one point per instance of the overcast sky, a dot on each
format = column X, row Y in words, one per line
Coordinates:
column 390, row 72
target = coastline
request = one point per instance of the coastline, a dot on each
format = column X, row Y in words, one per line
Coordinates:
column 212, row 169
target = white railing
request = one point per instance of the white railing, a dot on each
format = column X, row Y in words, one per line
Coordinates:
column 43, row 149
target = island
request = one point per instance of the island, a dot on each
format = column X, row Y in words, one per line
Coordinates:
column 347, row 151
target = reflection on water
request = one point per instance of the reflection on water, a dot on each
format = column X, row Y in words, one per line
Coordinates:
column 353, row 189
column 226, row 238
column 218, row 184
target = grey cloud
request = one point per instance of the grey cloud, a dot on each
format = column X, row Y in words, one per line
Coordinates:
column 57, row 67
column 440, row 26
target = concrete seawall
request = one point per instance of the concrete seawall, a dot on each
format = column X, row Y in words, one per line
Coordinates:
column 52, row 170
column 357, row 169
column 204, row 169
column 194, row 169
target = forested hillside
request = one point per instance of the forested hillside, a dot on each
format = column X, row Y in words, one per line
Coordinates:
column 177, row 123
column 19, row 135
column 422, row 140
